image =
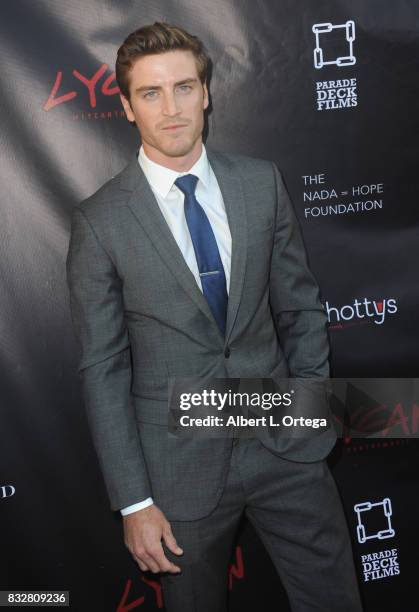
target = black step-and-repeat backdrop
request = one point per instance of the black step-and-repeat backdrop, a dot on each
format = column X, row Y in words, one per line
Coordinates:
column 328, row 90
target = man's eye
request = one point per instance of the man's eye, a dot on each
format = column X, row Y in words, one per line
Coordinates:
column 184, row 87
column 150, row 94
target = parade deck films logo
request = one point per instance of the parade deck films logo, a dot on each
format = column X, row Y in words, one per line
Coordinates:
column 368, row 507
column 92, row 93
column 334, row 47
column 374, row 523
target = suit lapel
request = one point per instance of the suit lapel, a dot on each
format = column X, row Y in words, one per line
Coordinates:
column 147, row 212
column 232, row 192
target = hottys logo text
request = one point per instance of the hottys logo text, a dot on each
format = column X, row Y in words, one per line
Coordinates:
column 361, row 310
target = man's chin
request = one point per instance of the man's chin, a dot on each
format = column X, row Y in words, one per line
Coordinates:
column 178, row 148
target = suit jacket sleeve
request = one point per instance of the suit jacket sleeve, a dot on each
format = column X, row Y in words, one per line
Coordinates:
column 294, row 295
column 105, row 364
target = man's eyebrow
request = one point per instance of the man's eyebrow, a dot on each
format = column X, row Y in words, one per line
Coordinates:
column 148, row 87
column 190, row 80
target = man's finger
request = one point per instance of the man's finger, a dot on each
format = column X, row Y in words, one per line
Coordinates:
column 142, row 565
column 150, row 562
column 170, row 541
column 163, row 562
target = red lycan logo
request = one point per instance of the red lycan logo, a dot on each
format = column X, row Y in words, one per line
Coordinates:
column 97, row 84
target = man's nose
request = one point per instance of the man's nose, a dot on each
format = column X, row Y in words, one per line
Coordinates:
column 170, row 105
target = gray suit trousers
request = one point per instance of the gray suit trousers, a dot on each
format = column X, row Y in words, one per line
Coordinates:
column 297, row 512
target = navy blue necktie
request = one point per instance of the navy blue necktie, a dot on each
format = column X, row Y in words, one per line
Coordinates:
column 208, row 258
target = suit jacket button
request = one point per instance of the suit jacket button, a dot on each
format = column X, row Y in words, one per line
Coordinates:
column 227, row 352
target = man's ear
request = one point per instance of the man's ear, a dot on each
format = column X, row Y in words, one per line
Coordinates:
column 127, row 108
column 206, row 97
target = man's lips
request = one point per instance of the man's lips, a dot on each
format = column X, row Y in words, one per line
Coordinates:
column 175, row 126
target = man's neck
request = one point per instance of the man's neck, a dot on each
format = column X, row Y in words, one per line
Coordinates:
column 179, row 164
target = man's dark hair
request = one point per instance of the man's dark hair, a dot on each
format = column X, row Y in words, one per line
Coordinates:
column 155, row 39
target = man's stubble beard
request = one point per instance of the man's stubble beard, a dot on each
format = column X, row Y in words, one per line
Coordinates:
column 177, row 148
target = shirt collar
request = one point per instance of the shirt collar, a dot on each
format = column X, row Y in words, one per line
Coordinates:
column 161, row 179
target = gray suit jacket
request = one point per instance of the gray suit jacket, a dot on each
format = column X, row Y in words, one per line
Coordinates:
column 140, row 318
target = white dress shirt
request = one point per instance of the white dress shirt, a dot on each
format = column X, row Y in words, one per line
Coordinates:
column 170, row 200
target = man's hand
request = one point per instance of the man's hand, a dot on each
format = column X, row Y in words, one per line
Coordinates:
column 143, row 533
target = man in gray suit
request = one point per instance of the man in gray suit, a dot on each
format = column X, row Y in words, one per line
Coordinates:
column 190, row 263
